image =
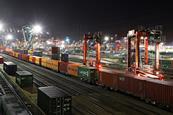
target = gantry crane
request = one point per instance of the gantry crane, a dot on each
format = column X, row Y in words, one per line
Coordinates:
column 97, row 37
column 135, row 37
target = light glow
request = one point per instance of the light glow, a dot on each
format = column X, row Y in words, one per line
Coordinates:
column 37, row 29
column 106, row 38
column 9, row 37
column 1, row 26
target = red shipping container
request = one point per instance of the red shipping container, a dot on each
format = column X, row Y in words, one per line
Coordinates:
column 159, row 91
column 55, row 50
column 63, row 67
column 124, row 80
column 138, row 86
column 33, row 59
column 108, row 78
column 1, row 60
column 25, row 57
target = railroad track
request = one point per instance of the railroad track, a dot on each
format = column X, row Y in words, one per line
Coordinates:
column 90, row 99
column 52, row 80
column 8, row 89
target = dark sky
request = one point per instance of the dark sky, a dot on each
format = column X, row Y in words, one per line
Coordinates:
column 74, row 17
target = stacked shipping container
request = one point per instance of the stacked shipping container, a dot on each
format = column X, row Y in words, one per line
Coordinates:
column 55, row 53
column 55, row 101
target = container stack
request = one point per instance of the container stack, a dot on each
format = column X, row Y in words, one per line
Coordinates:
column 10, row 68
column 37, row 53
column 55, row 53
column 64, row 57
column 24, row 78
column 53, row 101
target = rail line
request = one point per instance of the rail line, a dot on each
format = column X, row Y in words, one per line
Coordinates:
column 88, row 99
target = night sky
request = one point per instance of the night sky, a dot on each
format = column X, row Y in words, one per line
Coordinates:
column 75, row 17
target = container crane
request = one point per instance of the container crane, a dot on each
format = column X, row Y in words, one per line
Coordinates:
column 136, row 36
column 97, row 37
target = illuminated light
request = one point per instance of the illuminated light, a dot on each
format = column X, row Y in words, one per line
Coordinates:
column 139, row 75
column 157, row 73
column 62, row 46
column 131, row 33
column 157, row 56
column 161, row 43
column 161, row 77
column 106, row 38
column 63, row 42
column 67, row 40
column 100, row 66
column 9, row 37
column 1, row 26
column 146, row 38
column 47, row 33
column 48, row 42
column 37, row 29
column 142, row 37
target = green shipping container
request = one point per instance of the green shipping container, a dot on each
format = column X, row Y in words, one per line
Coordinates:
column 165, row 63
column 88, row 74
column 24, row 78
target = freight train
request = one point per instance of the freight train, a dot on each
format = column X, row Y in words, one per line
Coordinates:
column 159, row 92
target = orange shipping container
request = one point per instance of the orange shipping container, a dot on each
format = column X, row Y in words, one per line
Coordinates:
column 25, row 57
column 55, row 64
column 72, row 69
column 16, row 54
column 44, row 62
column 38, row 60
column 30, row 59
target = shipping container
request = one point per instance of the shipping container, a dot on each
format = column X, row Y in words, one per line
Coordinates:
column 1, row 60
column 23, row 51
column 30, row 58
column 56, row 56
column 160, row 92
column 38, row 60
column 138, row 86
column 64, row 57
column 88, row 74
column 108, row 78
column 125, row 82
column 25, row 57
column 20, row 56
column 16, row 55
column 37, row 53
column 44, row 62
column 55, row 101
column 11, row 106
column 10, row 68
column 55, row 65
column 24, row 78
column 55, row 50
column 33, row 59
column 63, row 67
column 166, row 63
column 72, row 69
